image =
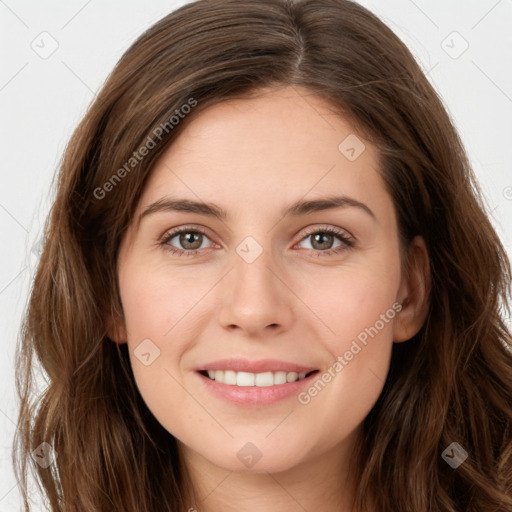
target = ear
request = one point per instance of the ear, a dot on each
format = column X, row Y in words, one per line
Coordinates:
column 414, row 293
column 116, row 329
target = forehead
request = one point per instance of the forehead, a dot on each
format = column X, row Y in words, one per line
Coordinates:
column 276, row 145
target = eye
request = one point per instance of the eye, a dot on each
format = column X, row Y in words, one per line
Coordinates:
column 323, row 240
column 190, row 239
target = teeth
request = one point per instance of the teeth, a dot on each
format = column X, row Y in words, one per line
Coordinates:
column 229, row 377
column 264, row 379
column 291, row 376
column 244, row 379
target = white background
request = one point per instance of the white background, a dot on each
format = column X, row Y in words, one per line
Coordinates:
column 42, row 100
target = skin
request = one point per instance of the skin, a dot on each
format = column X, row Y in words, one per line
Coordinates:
column 253, row 157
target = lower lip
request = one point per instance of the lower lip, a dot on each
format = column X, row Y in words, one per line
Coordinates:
column 255, row 395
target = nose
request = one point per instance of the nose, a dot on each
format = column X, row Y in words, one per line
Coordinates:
column 256, row 297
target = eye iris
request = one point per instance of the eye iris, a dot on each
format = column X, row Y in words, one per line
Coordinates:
column 190, row 237
column 319, row 237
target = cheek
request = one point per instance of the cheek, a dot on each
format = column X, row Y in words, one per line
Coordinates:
column 155, row 303
column 358, row 308
column 157, row 311
column 351, row 300
column 346, row 390
column 341, row 398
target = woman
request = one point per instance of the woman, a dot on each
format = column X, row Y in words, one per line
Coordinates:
column 335, row 341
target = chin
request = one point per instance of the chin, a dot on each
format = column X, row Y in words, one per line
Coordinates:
column 243, row 456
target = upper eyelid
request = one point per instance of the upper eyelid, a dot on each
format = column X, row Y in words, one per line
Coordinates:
column 169, row 234
column 326, row 227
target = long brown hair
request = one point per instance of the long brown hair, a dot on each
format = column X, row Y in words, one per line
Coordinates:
column 452, row 382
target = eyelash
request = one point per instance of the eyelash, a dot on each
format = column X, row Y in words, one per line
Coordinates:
column 347, row 243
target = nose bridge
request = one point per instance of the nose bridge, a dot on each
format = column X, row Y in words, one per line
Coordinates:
column 255, row 297
column 253, row 263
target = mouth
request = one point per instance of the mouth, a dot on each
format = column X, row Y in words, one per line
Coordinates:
column 254, row 383
column 249, row 379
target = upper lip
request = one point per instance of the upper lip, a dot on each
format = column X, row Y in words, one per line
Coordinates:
column 259, row 366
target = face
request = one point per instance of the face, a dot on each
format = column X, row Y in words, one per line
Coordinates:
column 261, row 294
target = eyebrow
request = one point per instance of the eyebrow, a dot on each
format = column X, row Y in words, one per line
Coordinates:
column 296, row 209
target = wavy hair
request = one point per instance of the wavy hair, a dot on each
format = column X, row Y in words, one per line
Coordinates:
column 452, row 382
